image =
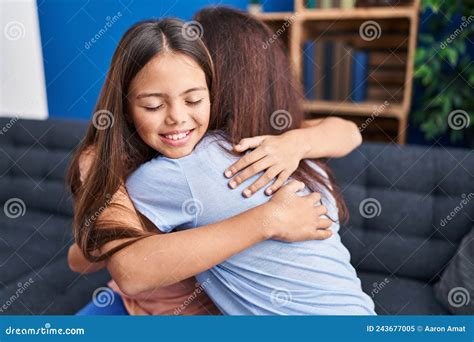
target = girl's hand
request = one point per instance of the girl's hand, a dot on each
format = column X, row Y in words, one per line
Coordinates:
column 292, row 217
column 277, row 155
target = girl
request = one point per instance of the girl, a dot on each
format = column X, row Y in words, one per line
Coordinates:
column 165, row 273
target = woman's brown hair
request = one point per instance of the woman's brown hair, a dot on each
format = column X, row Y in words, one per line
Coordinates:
column 118, row 150
column 255, row 92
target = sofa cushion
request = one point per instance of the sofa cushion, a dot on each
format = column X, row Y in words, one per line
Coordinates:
column 399, row 198
column 35, row 219
column 400, row 295
column 455, row 290
column 413, row 189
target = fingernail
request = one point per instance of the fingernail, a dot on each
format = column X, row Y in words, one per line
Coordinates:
column 227, row 173
column 268, row 192
column 247, row 193
column 233, row 184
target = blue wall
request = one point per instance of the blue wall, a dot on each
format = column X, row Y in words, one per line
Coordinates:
column 74, row 73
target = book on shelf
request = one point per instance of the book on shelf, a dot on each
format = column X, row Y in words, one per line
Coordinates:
column 347, row 4
column 360, row 68
column 327, row 62
column 340, row 62
column 327, row 70
column 319, row 70
column 309, row 64
column 337, row 70
column 381, row 3
column 311, row 4
column 346, row 73
column 326, row 3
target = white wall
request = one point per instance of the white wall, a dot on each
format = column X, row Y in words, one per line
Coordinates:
column 22, row 88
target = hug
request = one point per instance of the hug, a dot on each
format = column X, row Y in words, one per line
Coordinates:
column 202, row 193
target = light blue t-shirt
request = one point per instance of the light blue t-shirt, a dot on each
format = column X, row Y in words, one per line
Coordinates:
column 270, row 278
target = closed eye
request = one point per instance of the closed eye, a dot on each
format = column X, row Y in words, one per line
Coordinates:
column 153, row 109
column 194, row 103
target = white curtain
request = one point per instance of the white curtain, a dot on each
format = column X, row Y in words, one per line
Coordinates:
column 22, row 81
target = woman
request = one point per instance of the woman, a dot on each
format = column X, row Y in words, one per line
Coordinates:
column 165, row 277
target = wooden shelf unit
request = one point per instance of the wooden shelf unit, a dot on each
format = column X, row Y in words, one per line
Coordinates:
column 394, row 50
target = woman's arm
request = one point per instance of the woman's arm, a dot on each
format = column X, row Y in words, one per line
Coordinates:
column 280, row 155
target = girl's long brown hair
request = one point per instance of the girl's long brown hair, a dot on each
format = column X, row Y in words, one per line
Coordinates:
column 251, row 83
column 255, row 91
column 118, row 148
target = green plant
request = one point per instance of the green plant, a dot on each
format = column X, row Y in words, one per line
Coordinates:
column 445, row 70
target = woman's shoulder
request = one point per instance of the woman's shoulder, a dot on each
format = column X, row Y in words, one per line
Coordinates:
column 211, row 151
column 214, row 139
column 157, row 167
column 214, row 146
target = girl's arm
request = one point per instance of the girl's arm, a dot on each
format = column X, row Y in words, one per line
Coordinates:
column 331, row 137
column 165, row 259
column 280, row 155
column 78, row 262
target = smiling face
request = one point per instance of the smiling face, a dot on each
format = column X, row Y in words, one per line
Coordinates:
column 169, row 104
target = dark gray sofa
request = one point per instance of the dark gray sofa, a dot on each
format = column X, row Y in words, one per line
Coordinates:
column 398, row 243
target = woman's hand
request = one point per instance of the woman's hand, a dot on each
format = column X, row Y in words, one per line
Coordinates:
column 292, row 217
column 277, row 155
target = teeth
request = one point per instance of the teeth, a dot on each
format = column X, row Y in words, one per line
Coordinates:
column 177, row 136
